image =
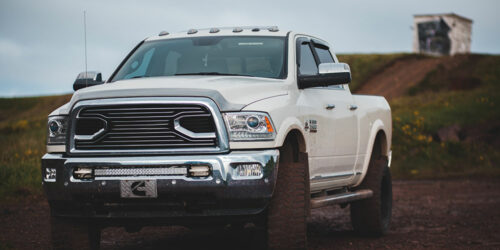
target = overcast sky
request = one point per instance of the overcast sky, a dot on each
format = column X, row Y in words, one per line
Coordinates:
column 42, row 45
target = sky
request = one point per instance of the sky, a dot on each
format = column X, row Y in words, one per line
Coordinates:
column 42, row 42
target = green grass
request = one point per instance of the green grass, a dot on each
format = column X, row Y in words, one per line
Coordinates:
column 22, row 133
column 416, row 120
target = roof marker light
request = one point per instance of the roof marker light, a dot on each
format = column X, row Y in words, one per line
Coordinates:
column 237, row 30
column 255, row 29
column 163, row 33
column 192, row 31
column 273, row 29
column 214, row 30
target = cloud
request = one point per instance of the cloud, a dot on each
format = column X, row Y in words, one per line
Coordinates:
column 42, row 46
column 10, row 49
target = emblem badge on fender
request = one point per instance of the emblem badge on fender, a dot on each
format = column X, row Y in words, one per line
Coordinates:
column 311, row 126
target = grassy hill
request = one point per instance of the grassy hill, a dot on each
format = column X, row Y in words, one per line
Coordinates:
column 22, row 136
column 458, row 99
column 447, row 124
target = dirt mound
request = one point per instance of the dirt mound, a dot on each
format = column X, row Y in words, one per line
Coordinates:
column 396, row 79
column 412, row 74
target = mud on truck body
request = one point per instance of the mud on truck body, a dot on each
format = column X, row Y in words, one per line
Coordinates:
column 216, row 127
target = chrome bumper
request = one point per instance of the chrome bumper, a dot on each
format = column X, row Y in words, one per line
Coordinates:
column 225, row 193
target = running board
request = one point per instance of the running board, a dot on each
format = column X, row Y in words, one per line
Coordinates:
column 341, row 198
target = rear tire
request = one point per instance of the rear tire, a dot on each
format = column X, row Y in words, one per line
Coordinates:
column 371, row 217
column 71, row 234
column 289, row 207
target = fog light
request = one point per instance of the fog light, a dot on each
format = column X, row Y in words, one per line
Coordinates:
column 199, row 171
column 50, row 175
column 249, row 170
column 83, row 173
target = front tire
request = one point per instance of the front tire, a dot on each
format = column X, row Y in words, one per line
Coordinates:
column 371, row 217
column 289, row 207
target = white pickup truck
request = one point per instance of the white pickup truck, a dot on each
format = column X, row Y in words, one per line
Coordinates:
column 218, row 126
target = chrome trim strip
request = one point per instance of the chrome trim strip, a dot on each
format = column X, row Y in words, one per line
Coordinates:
column 56, row 148
column 89, row 137
column 341, row 198
column 96, row 134
column 178, row 127
column 221, row 134
column 390, row 159
column 325, row 177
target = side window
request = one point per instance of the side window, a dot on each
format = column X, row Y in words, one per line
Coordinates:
column 324, row 55
column 307, row 63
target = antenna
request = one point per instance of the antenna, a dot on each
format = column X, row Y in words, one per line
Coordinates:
column 85, row 41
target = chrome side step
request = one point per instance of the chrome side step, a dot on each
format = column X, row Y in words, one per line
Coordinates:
column 340, row 198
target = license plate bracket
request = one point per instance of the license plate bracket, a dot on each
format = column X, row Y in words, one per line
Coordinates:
column 138, row 189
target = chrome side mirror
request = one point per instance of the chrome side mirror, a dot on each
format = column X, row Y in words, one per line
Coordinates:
column 329, row 74
column 87, row 79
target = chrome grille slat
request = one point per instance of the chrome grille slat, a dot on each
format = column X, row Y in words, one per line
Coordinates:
column 151, row 108
column 141, row 129
column 139, row 113
column 139, row 125
column 145, row 126
column 144, row 145
column 139, row 137
column 140, row 121
column 136, row 132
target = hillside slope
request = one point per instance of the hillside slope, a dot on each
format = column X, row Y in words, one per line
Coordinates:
column 395, row 80
column 446, row 120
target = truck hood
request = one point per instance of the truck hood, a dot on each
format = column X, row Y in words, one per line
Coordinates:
column 230, row 93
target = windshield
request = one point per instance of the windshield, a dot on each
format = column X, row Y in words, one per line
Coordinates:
column 231, row 55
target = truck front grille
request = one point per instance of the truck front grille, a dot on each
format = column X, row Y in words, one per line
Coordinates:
column 144, row 126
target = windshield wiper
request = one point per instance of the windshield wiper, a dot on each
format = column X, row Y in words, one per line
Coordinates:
column 210, row 74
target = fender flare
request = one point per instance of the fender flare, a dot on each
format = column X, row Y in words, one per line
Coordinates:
column 289, row 124
column 376, row 127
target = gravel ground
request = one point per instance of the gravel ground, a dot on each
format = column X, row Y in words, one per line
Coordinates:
column 453, row 214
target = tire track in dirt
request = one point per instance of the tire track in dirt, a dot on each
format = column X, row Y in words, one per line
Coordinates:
column 453, row 214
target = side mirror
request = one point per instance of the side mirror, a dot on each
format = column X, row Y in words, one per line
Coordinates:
column 329, row 74
column 87, row 79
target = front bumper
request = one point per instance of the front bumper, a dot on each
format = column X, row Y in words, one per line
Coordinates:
column 220, row 194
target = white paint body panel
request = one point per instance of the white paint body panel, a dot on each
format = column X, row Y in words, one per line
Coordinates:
column 339, row 151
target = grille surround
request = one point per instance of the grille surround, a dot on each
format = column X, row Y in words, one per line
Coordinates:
column 220, row 136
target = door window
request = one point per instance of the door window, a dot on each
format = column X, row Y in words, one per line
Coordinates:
column 307, row 63
column 324, row 55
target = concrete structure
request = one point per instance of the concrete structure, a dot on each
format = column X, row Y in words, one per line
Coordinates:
column 441, row 34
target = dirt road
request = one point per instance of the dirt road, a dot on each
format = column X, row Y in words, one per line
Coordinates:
column 453, row 214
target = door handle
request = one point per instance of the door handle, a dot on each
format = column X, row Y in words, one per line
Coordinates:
column 330, row 106
column 353, row 107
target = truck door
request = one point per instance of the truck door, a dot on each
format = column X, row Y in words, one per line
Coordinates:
column 330, row 121
column 343, row 120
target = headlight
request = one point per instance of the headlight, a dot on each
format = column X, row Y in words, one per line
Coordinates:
column 249, row 126
column 56, row 130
